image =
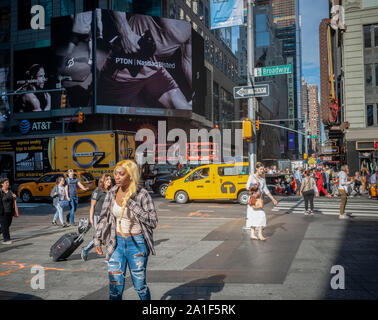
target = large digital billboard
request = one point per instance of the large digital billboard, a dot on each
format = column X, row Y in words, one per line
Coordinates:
column 72, row 47
column 34, row 71
column 144, row 64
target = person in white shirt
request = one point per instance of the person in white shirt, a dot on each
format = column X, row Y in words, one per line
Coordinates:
column 256, row 217
column 343, row 190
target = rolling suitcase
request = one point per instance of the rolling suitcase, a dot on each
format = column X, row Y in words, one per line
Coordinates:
column 69, row 242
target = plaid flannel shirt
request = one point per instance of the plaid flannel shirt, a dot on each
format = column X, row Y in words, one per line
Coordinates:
column 143, row 208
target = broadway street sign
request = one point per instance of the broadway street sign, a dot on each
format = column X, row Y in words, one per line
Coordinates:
column 272, row 71
column 261, row 90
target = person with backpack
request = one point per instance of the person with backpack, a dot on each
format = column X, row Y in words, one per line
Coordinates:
column 59, row 194
column 72, row 183
column 307, row 191
column 97, row 200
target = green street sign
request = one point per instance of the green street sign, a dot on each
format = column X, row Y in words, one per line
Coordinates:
column 313, row 137
column 273, row 71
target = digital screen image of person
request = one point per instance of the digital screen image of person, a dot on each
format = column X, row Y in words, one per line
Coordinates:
column 35, row 79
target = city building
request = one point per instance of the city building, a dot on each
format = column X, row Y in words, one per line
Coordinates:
column 214, row 76
column 314, row 116
column 272, row 143
column 349, row 96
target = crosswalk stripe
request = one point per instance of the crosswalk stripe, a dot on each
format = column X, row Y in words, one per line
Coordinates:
column 362, row 208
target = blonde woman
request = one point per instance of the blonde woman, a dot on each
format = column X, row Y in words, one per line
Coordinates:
column 125, row 228
column 256, row 218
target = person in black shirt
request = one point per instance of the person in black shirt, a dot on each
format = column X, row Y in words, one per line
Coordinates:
column 7, row 209
column 97, row 200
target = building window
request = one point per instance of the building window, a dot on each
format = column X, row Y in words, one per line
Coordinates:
column 23, row 14
column 89, row 5
column 370, row 3
column 200, row 8
column 368, row 76
column 4, row 24
column 182, row 14
column 195, row 6
column 206, row 17
column 370, row 115
column 172, row 9
column 67, row 7
column 367, row 37
column 47, row 4
column 121, row 5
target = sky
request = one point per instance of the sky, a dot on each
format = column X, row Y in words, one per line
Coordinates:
column 312, row 13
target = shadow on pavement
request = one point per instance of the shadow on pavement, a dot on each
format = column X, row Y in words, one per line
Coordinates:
column 8, row 295
column 200, row 289
column 358, row 256
column 2, row 250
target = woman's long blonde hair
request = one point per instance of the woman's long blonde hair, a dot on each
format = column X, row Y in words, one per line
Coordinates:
column 133, row 172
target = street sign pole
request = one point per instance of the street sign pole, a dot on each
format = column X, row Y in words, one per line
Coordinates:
column 306, row 142
column 251, row 100
column 251, row 82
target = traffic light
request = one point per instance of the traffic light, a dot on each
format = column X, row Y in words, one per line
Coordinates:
column 81, row 117
column 63, row 100
column 305, row 156
column 247, row 129
column 257, row 125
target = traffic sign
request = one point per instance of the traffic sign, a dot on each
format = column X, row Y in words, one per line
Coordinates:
column 273, row 70
column 261, row 90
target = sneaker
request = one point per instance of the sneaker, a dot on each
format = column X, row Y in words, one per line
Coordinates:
column 311, row 213
column 84, row 254
column 7, row 242
column 64, row 226
column 54, row 223
column 343, row 216
column 306, row 213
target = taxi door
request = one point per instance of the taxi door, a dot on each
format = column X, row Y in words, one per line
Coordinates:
column 44, row 185
column 227, row 181
column 199, row 185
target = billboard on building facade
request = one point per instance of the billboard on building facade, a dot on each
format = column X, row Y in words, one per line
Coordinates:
column 72, row 49
column 144, row 65
column 34, row 71
column 226, row 13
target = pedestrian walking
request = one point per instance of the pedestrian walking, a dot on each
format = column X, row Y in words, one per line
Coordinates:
column 319, row 184
column 72, row 183
column 7, row 209
column 298, row 178
column 59, row 194
column 125, row 228
column 357, row 183
column 373, row 185
column 308, row 192
column 256, row 218
column 343, row 190
column 97, row 200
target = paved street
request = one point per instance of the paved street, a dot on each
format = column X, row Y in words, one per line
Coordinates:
column 202, row 253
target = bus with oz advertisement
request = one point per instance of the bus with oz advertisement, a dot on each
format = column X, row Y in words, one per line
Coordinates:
column 28, row 158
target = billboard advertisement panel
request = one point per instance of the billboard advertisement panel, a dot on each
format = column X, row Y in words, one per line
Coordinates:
column 144, row 65
column 72, row 50
column 33, row 71
column 226, row 13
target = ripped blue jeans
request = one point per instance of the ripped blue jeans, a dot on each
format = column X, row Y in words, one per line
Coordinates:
column 130, row 251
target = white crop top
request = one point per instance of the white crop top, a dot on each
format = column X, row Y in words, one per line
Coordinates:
column 129, row 223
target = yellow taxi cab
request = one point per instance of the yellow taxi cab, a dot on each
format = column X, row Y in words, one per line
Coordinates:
column 41, row 188
column 211, row 182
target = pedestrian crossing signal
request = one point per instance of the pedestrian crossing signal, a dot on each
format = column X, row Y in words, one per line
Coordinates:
column 247, row 130
column 81, row 117
column 63, row 100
